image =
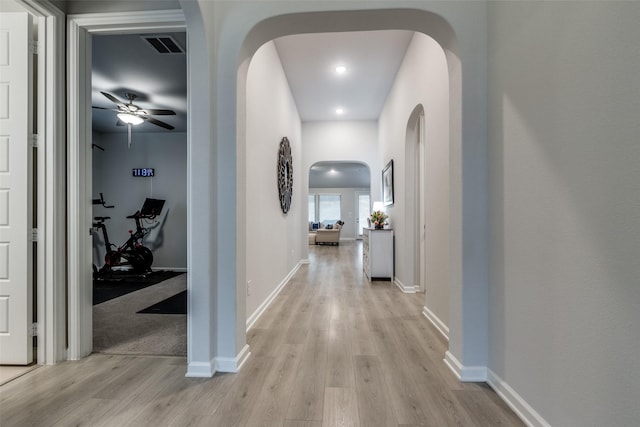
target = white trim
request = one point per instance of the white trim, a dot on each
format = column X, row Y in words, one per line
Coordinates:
column 201, row 369
column 404, row 288
column 130, row 22
column 43, row 263
column 435, row 321
column 233, row 364
column 304, row 261
column 80, row 28
column 80, row 318
column 267, row 302
column 465, row 373
column 51, row 307
column 522, row 409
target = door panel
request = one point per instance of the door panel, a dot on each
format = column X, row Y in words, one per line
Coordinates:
column 364, row 209
column 16, row 252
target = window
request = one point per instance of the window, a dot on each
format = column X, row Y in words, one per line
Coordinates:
column 324, row 208
column 329, row 208
column 312, row 208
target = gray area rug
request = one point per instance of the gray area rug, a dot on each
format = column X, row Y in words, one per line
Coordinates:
column 118, row 328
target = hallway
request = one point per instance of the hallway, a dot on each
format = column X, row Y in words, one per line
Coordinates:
column 332, row 349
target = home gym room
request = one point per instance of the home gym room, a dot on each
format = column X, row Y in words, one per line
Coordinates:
column 139, row 186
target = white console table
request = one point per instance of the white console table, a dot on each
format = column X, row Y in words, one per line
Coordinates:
column 377, row 253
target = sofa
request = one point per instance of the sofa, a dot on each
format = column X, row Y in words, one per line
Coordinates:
column 329, row 235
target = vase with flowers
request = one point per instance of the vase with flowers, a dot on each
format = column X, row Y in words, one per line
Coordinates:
column 378, row 219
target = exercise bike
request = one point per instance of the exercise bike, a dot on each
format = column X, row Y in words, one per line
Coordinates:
column 132, row 252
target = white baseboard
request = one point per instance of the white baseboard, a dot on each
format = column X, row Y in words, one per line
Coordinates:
column 404, row 288
column 201, row 369
column 471, row 374
column 526, row 413
column 435, row 321
column 523, row 410
column 267, row 302
column 233, row 364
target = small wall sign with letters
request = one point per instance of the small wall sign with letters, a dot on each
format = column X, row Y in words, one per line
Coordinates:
column 143, row 172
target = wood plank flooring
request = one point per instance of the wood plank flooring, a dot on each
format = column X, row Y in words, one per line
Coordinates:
column 332, row 350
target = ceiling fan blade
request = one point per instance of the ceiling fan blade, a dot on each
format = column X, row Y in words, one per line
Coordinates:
column 102, row 108
column 155, row 112
column 112, row 98
column 158, row 123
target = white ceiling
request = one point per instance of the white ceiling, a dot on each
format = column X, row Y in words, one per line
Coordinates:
column 372, row 59
column 126, row 63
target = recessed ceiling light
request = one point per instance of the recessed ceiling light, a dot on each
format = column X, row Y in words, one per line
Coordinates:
column 339, row 111
column 341, row 69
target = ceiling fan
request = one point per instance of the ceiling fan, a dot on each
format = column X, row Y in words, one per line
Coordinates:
column 130, row 114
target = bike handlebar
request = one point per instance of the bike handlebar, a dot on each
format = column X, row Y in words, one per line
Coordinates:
column 101, row 201
column 139, row 215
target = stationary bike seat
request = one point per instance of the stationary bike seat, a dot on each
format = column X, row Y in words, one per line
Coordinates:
column 101, row 218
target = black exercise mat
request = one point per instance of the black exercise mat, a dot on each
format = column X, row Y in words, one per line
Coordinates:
column 176, row 304
column 119, row 284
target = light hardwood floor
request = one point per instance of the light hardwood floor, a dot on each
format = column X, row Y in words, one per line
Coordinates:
column 332, row 350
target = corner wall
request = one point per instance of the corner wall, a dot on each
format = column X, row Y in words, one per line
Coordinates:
column 564, row 206
column 421, row 80
column 273, row 239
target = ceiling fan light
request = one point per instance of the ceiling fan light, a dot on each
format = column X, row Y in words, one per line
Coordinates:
column 130, row 118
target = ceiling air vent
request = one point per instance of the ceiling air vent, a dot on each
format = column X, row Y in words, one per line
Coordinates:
column 164, row 44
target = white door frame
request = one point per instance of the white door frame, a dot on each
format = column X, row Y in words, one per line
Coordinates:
column 80, row 28
column 50, row 267
column 421, row 248
column 358, row 194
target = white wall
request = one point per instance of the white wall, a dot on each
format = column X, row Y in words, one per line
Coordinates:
column 422, row 80
column 355, row 141
column 348, row 208
column 167, row 153
column 565, row 208
column 273, row 239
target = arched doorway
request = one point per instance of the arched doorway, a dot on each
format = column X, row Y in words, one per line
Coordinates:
column 282, row 25
column 219, row 142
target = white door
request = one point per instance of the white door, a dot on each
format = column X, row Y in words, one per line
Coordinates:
column 364, row 209
column 16, row 253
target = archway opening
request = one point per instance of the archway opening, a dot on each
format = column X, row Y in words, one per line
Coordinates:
column 428, row 24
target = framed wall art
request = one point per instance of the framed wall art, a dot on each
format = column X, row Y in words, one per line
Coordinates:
column 285, row 175
column 387, row 184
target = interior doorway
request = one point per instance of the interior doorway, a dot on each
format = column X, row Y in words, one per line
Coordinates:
column 48, row 154
column 139, row 158
column 81, row 32
column 336, row 191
